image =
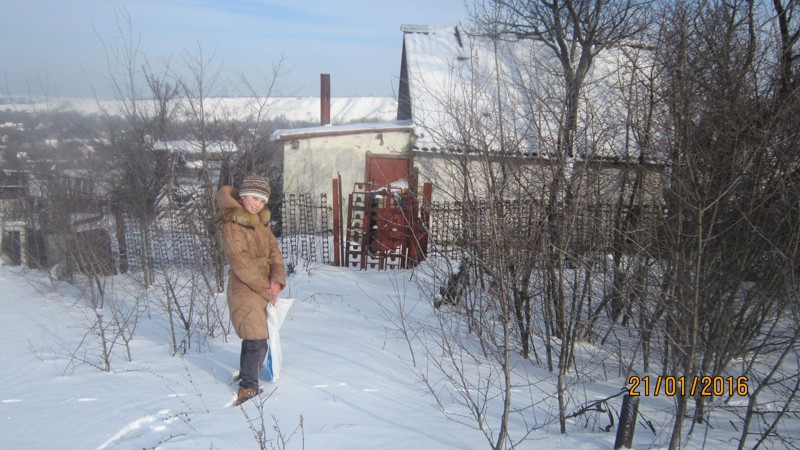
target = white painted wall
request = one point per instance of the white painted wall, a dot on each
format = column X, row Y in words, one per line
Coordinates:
column 317, row 160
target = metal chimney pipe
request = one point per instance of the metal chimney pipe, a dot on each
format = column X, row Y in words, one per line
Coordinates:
column 325, row 94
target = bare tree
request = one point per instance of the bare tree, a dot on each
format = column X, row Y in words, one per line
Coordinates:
column 132, row 167
column 574, row 33
column 80, row 251
column 699, row 226
column 731, row 239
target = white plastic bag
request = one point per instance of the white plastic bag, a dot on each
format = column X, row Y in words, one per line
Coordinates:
column 275, row 317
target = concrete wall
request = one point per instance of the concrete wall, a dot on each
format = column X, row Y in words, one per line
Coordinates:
column 312, row 162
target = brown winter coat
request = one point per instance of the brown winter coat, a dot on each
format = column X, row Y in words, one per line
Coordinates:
column 254, row 260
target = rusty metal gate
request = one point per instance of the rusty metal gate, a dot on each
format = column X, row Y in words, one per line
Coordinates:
column 385, row 228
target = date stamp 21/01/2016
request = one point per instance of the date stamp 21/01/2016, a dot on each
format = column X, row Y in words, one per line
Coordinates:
column 698, row 385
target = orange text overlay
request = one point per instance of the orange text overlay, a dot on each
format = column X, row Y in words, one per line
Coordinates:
column 703, row 386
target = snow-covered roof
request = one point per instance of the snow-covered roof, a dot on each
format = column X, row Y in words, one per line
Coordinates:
column 466, row 92
column 189, row 147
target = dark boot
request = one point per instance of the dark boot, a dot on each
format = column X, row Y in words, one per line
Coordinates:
column 250, row 361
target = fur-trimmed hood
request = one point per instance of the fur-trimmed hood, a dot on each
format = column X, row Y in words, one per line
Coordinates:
column 231, row 210
column 243, row 217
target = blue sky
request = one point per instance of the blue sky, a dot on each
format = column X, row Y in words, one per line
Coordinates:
column 55, row 47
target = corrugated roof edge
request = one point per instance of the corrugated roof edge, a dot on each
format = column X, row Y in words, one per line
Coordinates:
column 341, row 130
column 408, row 28
column 612, row 160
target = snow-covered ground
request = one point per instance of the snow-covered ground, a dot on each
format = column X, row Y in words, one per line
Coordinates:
column 348, row 379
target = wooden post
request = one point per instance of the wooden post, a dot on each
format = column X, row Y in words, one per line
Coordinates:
column 627, row 422
column 427, row 201
column 122, row 243
column 337, row 222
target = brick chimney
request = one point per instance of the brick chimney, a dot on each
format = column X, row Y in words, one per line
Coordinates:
column 325, row 97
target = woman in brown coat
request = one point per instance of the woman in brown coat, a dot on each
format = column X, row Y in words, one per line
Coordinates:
column 256, row 276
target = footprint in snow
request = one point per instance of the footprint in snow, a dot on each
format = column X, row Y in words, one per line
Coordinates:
column 137, row 428
column 325, row 385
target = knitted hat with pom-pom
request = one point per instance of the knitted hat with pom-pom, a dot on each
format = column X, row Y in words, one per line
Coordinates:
column 255, row 186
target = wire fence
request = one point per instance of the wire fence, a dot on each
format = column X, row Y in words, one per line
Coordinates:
column 305, row 232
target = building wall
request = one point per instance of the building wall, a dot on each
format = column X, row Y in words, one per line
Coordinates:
column 311, row 163
column 593, row 183
column 453, row 176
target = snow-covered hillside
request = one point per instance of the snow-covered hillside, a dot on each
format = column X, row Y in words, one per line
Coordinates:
column 294, row 109
column 351, row 379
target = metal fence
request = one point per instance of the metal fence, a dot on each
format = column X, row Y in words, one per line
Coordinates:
column 305, row 233
column 588, row 229
column 299, row 228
